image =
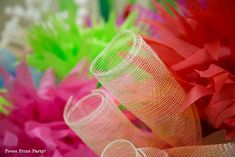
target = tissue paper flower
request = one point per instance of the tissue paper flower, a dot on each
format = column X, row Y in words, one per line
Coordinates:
column 197, row 43
column 22, row 17
column 35, row 120
column 7, row 60
column 60, row 43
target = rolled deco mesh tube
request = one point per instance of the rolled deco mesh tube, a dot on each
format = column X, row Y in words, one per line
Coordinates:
column 120, row 147
column 97, row 121
column 216, row 150
column 134, row 74
column 124, row 148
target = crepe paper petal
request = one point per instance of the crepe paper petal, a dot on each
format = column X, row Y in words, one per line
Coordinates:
column 43, row 133
column 57, row 154
column 194, row 94
column 230, row 135
column 52, row 137
column 141, row 13
column 158, row 102
column 230, row 121
column 218, row 75
column 182, row 48
column 213, row 110
column 164, row 52
column 96, row 111
column 105, row 7
column 164, row 14
column 202, row 42
column 227, row 93
column 211, row 71
column 184, row 23
column 4, row 105
column 197, row 58
column 213, row 48
column 36, row 115
column 36, row 75
column 219, row 81
column 225, row 114
column 127, row 149
column 47, row 84
column 23, row 75
column 10, row 139
column 220, row 107
column 61, row 51
column 77, row 81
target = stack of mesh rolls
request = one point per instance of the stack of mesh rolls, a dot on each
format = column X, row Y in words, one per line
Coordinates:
column 136, row 77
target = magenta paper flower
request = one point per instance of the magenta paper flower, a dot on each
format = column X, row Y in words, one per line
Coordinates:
column 36, row 120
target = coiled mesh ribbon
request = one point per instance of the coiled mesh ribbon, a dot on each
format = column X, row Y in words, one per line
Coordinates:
column 98, row 121
column 130, row 70
column 127, row 149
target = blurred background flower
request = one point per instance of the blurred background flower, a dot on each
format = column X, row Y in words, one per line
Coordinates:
column 35, row 116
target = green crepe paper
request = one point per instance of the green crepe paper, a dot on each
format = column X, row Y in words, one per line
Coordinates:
column 105, row 7
column 67, row 5
column 61, row 44
column 3, row 104
column 168, row 2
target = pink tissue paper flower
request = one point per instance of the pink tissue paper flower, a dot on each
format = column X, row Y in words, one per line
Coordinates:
column 35, row 123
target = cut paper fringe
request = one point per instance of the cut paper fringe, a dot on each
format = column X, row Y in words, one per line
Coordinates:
column 60, row 43
column 36, row 115
column 200, row 53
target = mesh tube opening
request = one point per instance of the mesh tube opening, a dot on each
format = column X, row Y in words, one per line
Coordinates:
column 86, row 109
column 120, row 148
column 129, row 48
column 124, row 148
column 98, row 121
column 131, row 71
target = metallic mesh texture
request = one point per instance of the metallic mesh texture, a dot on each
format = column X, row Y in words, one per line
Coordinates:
column 130, row 70
column 98, row 121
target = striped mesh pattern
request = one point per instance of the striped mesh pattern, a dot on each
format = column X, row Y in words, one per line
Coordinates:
column 130, row 70
column 217, row 150
column 98, row 121
column 134, row 74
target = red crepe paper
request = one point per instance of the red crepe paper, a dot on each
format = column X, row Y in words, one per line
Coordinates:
column 198, row 58
column 198, row 45
column 227, row 113
column 163, row 51
column 213, row 48
column 194, row 94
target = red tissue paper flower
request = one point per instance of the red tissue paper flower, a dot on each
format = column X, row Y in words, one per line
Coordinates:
column 197, row 42
column 36, row 115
